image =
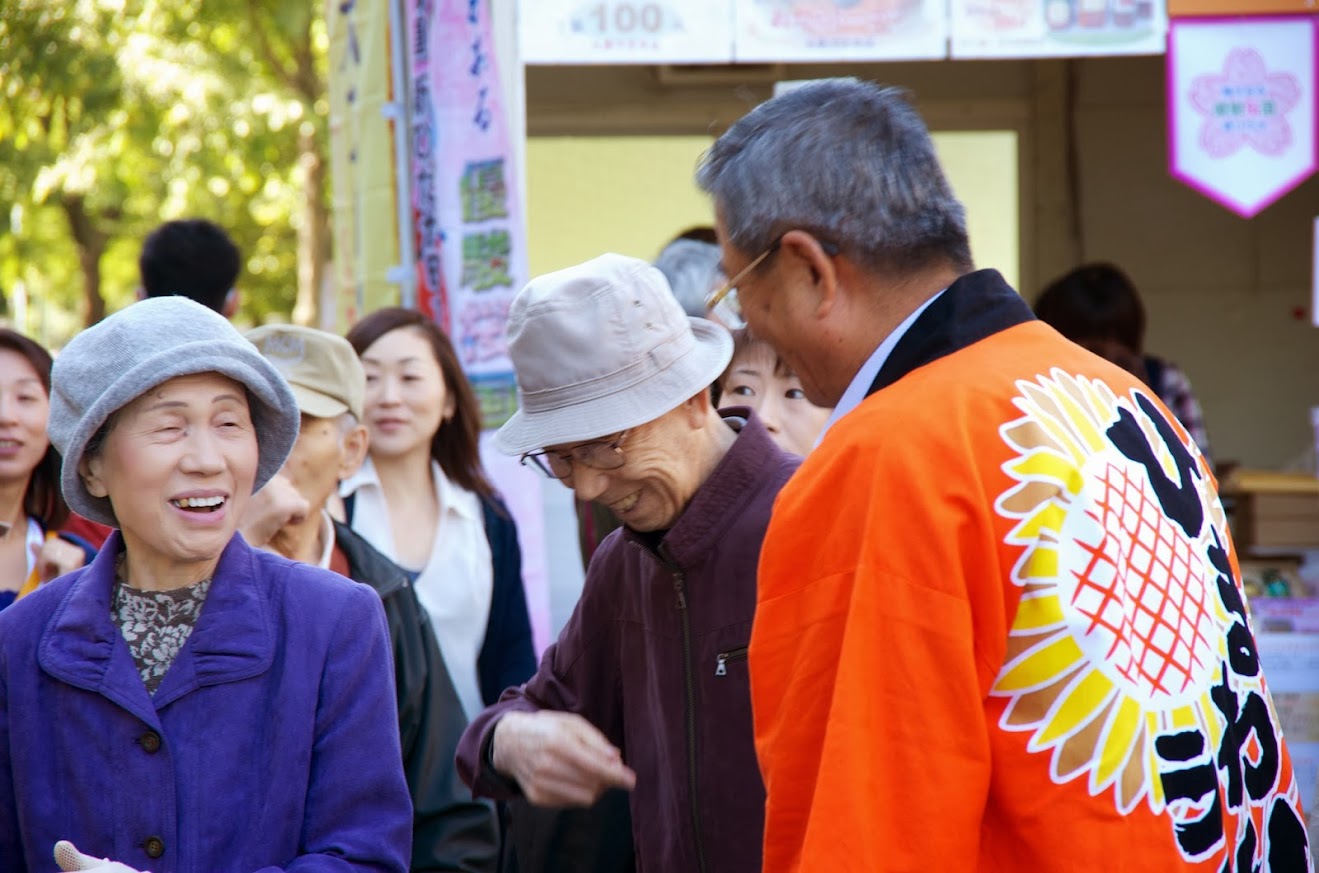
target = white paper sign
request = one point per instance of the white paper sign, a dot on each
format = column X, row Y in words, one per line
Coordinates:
column 839, row 30
column 1057, row 28
column 1241, row 98
column 626, row 31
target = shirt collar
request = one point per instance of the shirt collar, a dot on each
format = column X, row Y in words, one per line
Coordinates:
column 327, row 540
column 860, row 384
column 451, row 497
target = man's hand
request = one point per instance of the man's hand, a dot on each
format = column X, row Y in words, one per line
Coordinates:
column 278, row 503
column 558, row 758
column 58, row 557
column 70, row 859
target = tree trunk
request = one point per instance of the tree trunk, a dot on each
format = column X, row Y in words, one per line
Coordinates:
column 314, row 232
column 91, row 243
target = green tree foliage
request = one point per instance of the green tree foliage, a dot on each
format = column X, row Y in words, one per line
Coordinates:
column 119, row 115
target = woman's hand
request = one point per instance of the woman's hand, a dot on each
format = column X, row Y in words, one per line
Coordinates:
column 58, row 557
column 70, row 859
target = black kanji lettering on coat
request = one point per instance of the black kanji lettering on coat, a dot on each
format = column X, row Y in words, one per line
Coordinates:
column 1179, row 500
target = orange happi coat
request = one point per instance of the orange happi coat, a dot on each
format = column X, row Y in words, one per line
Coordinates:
column 1000, row 627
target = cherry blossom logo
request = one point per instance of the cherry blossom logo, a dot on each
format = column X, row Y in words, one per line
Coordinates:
column 1246, row 104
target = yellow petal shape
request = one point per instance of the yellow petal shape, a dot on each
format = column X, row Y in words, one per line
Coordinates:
column 1040, row 665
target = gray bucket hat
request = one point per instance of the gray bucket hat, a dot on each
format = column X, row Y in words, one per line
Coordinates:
column 110, row 364
column 602, row 347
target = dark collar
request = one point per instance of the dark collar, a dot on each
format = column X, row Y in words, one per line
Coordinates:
column 232, row 639
column 366, row 564
column 976, row 306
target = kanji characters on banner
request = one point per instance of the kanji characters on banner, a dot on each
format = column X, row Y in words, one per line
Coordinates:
column 467, row 218
column 1241, row 105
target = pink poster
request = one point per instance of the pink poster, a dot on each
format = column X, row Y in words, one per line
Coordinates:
column 469, row 235
column 1241, row 107
column 470, row 242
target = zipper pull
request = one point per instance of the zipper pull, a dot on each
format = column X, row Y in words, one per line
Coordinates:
column 677, row 589
column 721, row 665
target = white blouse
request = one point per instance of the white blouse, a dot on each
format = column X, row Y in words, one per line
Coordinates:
column 456, row 584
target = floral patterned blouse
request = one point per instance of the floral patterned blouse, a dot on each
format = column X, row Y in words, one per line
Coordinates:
column 156, row 624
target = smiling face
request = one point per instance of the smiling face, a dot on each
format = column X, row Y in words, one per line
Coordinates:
column 178, row 466
column 24, row 408
column 406, row 398
column 660, row 473
column 758, row 378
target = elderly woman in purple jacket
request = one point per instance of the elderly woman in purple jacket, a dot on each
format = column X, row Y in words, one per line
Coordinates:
column 184, row 702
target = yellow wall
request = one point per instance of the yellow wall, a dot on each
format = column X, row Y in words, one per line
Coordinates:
column 982, row 168
column 630, row 194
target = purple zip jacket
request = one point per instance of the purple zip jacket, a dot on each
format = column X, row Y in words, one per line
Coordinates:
column 655, row 656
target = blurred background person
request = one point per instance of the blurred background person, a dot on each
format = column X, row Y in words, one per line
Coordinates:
column 1097, row 306
column 757, row 377
column 450, row 830
column 423, row 499
column 187, row 702
column 191, row 258
column 32, row 510
column 692, row 270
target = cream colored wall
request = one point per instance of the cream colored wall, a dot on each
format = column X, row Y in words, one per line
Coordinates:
column 1228, row 298
column 631, row 194
column 625, row 194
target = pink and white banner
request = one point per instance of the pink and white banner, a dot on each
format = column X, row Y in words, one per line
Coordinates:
column 470, row 236
column 467, row 217
column 1241, row 107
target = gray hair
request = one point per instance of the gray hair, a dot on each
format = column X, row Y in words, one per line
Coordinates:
column 692, row 268
column 848, row 161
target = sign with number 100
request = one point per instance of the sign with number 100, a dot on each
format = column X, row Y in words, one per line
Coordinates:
column 625, row 31
column 626, row 19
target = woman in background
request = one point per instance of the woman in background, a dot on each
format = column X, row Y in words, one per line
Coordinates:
column 1097, row 306
column 32, row 510
column 423, row 499
column 757, row 377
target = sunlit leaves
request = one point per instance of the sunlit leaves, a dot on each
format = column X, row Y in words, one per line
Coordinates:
column 150, row 110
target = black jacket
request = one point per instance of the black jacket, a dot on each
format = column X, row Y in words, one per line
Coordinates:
column 451, row 831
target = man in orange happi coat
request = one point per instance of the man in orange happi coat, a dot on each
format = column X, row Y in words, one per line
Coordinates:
column 999, row 624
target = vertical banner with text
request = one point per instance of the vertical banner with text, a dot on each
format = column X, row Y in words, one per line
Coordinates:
column 469, row 233
column 1241, row 107
column 467, row 219
column 366, row 243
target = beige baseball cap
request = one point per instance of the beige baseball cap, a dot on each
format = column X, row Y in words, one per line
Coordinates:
column 322, row 369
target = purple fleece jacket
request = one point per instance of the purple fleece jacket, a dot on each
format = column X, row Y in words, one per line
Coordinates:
column 655, row 656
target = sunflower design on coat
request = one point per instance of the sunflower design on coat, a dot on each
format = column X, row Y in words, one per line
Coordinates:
column 1125, row 660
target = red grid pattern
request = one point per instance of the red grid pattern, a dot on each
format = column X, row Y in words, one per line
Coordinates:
column 1151, row 605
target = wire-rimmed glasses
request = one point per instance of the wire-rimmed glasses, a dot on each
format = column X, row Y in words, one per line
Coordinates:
column 605, row 454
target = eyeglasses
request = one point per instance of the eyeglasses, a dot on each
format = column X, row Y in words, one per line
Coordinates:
column 726, row 294
column 723, row 302
column 598, row 455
